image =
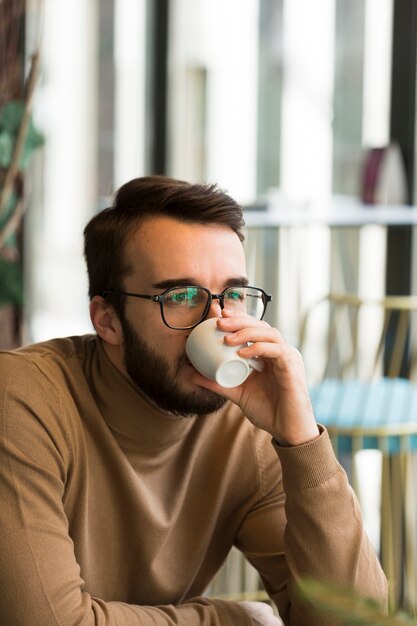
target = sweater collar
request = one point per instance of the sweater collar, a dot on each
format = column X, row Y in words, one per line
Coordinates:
column 128, row 412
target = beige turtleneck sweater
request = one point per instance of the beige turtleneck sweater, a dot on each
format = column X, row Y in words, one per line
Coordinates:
column 113, row 513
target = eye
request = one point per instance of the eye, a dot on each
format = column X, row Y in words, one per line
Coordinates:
column 190, row 296
column 234, row 295
column 179, row 297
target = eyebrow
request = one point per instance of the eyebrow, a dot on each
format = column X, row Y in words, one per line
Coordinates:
column 187, row 281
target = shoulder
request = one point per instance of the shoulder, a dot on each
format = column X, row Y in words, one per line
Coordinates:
column 38, row 383
column 43, row 360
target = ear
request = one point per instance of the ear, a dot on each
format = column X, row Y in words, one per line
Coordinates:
column 106, row 321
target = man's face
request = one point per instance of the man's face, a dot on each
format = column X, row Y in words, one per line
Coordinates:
column 164, row 253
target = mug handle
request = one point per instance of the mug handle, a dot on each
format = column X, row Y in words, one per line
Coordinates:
column 256, row 364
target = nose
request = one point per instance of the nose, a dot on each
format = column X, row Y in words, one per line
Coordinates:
column 215, row 309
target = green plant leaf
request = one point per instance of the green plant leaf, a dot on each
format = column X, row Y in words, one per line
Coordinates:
column 9, row 209
column 348, row 606
column 6, row 148
column 11, row 241
column 11, row 115
column 11, row 283
column 34, row 140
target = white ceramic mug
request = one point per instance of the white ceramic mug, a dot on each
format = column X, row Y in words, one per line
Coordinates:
column 214, row 359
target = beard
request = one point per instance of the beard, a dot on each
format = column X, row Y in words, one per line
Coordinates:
column 152, row 374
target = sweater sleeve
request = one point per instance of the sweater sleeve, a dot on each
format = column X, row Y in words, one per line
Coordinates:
column 314, row 530
column 40, row 580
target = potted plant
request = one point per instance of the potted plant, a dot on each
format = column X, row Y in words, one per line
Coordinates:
column 18, row 140
column 349, row 607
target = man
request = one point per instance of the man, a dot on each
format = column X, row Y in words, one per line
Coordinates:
column 126, row 476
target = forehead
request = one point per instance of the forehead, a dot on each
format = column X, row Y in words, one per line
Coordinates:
column 162, row 248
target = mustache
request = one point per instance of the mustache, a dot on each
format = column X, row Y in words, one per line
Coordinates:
column 182, row 360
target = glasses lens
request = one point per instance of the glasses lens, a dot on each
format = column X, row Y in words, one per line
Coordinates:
column 184, row 306
column 249, row 300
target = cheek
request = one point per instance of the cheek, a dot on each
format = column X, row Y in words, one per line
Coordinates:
column 146, row 322
column 173, row 345
column 164, row 341
column 152, row 330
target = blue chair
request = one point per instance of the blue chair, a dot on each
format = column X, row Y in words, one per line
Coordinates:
column 361, row 415
column 361, row 363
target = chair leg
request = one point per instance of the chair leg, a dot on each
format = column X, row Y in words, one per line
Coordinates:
column 387, row 533
column 410, row 524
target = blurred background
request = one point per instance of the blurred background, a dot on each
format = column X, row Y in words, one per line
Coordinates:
column 304, row 111
column 278, row 101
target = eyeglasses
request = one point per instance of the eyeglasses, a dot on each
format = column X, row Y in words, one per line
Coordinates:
column 183, row 308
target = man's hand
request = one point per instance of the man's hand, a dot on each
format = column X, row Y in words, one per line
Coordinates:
column 276, row 399
column 261, row 614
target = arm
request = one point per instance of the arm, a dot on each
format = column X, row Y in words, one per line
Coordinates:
column 40, row 579
column 324, row 536
column 316, row 533
column 326, row 539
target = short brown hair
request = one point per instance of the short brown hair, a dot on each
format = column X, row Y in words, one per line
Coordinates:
column 106, row 233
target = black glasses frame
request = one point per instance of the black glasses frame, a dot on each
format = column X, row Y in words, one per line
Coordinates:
column 160, row 298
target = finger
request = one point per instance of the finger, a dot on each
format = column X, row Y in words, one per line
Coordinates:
column 284, row 357
column 232, row 323
column 268, row 349
column 251, row 334
column 260, row 349
column 250, row 346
